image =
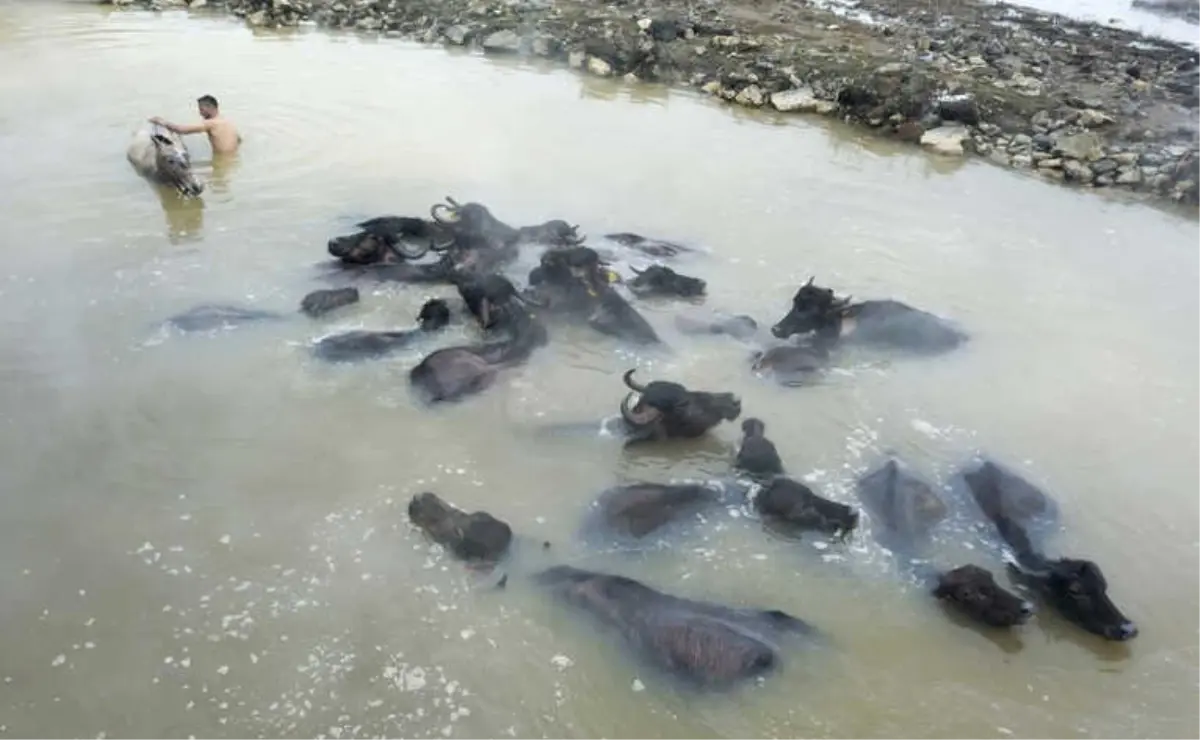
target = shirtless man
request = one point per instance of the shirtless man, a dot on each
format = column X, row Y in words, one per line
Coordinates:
column 222, row 134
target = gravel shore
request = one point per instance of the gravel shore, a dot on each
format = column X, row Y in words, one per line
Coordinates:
column 1069, row 101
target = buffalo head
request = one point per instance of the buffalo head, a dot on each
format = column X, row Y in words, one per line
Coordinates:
column 668, row 410
column 174, row 165
column 489, row 298
column 1079, row 591
column 659, row 280
column 813, row 309
column 791, row 505
column 555, row 233
column 973, row 591
column 434, row 315
column 474, row 536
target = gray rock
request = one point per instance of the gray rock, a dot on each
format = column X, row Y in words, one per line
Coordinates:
column 1104, row 166
column 502, row 42
column 576, row 59
column 456, row 35
column 946, row 140
column 1050, row 164
column 1077, row 171
column 1152, row 159
column 800, row 100
column 1129, row 176
column 599, row 67
column 1022, row 161
column 1091, row 118
column 893, row 68
column 1103, row 181
column 1043, row 142
column 1125, row 158
column 1086, row 146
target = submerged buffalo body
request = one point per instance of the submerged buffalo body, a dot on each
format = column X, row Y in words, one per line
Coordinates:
column 452, row 373
column 652, row 247
column 160, row 155
column 639, row 509
column 792, row 364
column 475, row 536
column 361, row 345
column 385, row 239
column 1076, row 588
column 666, row 410
column 321, row 302
column 885, row 323
column 738, row 327
column 208, row 317
column 707, row 645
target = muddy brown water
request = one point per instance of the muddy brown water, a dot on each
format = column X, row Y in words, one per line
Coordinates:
column 205, row 535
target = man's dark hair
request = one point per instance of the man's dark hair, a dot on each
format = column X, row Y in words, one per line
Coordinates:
column 207, row 100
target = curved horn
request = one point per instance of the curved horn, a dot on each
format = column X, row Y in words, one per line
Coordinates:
column 636, row 419
column 810, row 281
column 485, row 313
column 578, row 239
column 438, row 208
column 636, row 271
column 628, row 378
column 441, row 246
column 399, row 249
column 453, row 202
column 529, row 300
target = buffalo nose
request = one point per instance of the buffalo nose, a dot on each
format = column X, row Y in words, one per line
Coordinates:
column 1027, row 609
column 1126, row 631
column 777, row 331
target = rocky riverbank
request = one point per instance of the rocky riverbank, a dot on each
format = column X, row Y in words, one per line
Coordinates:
column 1065, row 100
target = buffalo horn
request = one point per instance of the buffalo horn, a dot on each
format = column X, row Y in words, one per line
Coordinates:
column 634, row 418
column 628, row 378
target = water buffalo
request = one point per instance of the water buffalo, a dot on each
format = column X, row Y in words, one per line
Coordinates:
column 707, row 645
column 491, row 299
column 757, row 455
column 1075, row 587
column 904, row 509
column 662, row 281
column 385, row 239
column 885, row 323
column 218, row 316
column 973, row 592
column 652, row 247
column 160, row 155
column 638, row 509
column 452, row 373
column 474, row 223
column 666, row 410
column 321, row 302
column 738, row 327
column 792, row 364
column 789, row 506
column 361, row 345
column 477, row 536
column 574, row 282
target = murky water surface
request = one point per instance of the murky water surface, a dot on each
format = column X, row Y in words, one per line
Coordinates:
column 206, row 534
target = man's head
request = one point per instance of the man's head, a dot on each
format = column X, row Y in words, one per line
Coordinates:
column 208, row 106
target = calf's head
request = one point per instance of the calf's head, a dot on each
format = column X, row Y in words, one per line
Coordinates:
column 669, row 410
column 813, row 309
column 973, row 591
column 434, row 315
column 489, row 298
column 1079, row 591
column 555, row 233
column 659, row 280
column 174, row 165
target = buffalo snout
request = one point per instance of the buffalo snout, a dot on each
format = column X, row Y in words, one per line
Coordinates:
column 788, row 502
column 474, row 536
column 434, row 315
column 1079, row 591
column 973, row 591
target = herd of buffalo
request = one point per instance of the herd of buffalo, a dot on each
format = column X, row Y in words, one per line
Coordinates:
column 466, row 246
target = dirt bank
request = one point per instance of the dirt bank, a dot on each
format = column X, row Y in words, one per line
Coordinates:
column 1065, row 100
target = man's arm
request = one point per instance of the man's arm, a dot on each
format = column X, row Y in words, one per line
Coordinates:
column 182, row 129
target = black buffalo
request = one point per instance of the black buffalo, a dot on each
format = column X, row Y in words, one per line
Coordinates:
column 662, row 281
column 884, row 323
column 707, row 645
column 453, row 373
column 738, row 327
column 757, row 455
column 386, row 239
column 904, row 510
column 652, row 247
column 574, row 282
column 666, row 410
column 1075, row 587
column 792, row 364
column 790, row 507
column 321, row 302
column 361, row 345
column 636, row 510
column 477, row 536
